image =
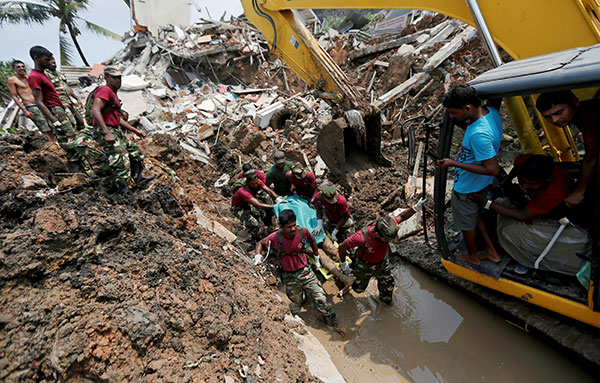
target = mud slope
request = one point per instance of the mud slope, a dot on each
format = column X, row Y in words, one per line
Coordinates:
column 95, row 287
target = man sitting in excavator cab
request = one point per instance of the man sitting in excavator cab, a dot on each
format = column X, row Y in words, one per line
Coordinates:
column 531, row 213
column 563, row 108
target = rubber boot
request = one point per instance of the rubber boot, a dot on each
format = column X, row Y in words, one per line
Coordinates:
column 136, row 173
column 331, row 320
column 122, row 186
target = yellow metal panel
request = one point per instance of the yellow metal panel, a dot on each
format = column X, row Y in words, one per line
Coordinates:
column 523, row 126
column 529, row 294
column 523, row 28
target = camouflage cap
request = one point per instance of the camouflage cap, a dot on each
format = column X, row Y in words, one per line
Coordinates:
column 387, row 227
column 329, row 192
column 279, row 157
column 251, row 174
column 298, row 171
column 110, row 70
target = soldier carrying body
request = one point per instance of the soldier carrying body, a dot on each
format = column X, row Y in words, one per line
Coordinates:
column 288, row 244
column 372, row 244
column 251, row 203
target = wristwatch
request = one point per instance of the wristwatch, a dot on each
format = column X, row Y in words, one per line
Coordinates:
column 487, row 204
column 57, row 123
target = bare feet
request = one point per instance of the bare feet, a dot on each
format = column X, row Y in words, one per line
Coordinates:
column 467, row 258
column 491, row 255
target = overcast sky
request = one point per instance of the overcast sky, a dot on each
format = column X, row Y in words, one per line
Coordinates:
column 16, row 40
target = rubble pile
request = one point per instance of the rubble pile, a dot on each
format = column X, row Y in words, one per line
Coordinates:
column 100, row 287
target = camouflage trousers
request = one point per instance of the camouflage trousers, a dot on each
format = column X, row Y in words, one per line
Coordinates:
column 105, row 158
column 38, row 118
column 74, row 116
column 382, row 271
column 65, row 134
column 302, row 283
column 253, row 218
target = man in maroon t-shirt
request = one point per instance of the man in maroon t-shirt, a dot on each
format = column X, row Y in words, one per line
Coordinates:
column 304, row 183
column 124, row 156
column 49, row 103
column 546, row 185
column 288, row 245
column 535, row 207
column 372, row 244
column 252, row 204
column 335, row 207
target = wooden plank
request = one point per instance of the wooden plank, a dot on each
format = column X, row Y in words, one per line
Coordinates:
column 372, row 49
column 454, row 45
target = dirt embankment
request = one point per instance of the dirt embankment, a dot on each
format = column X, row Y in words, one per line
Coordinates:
column 100, row 287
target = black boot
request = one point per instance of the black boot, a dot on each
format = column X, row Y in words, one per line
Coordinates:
column 76, row 167
column 136, row 173
column 122, row 186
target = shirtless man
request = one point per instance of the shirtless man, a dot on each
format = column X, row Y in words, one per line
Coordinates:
column 23, row 97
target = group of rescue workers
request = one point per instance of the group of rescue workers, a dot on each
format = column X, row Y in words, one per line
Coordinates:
column 544, row 194
column 253, row 199
column 95, row 145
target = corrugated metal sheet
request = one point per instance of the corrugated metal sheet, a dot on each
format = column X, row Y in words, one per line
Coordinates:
column 72, row 73
column 569, row 69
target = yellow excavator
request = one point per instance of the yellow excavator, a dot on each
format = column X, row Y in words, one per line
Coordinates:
column 522, row 28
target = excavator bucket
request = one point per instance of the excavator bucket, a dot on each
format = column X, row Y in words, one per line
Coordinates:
column 350, row 143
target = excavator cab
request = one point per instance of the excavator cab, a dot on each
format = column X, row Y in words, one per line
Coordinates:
column 575, row 70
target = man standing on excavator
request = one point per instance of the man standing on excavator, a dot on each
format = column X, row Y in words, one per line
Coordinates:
column 476, row 166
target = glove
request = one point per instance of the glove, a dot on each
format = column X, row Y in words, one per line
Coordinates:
column 419, row 205
column 278, row 200
column 317, row 262
column 345, row 268
column 258, row 259
column 319, row 229
column 334, row 235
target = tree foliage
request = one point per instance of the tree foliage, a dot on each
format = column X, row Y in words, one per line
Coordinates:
column 69, row 14
column 5, row 72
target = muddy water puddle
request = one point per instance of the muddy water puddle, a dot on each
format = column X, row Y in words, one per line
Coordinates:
column 434, row 334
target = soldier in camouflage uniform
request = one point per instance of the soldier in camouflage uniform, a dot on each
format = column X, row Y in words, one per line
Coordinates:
column 66, row 95
column 123, row 156
column 371, row 260
column 51, row 106
column 288, row 245
column 252, row 203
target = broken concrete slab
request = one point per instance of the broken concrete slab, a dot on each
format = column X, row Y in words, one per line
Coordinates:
column 263, row 116
column 447, row 50
column 134, row 103
column 402, row 89
column 133, row 82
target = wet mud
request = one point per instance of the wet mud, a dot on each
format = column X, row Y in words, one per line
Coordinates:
column 434, row 334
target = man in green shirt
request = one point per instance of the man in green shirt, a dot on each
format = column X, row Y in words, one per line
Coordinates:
column 276, row 175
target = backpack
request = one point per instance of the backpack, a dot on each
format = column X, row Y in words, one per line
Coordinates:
column 89, row 102
column 280, row 243
column 240, row 182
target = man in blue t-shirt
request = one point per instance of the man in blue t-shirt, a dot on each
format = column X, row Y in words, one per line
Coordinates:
column 476, row 166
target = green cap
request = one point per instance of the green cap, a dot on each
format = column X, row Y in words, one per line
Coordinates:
column 329, row 192
column 251, row 174
column 387, row 227
column 298, row 171
column 112, row 71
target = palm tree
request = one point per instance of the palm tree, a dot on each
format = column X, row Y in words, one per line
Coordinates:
column 67, row 11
